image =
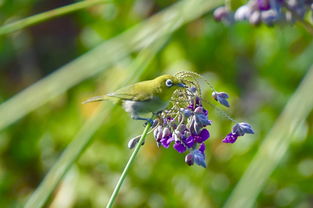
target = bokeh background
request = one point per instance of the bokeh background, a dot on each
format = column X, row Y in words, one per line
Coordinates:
column 260, row 67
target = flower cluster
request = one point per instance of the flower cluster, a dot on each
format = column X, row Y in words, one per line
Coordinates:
column 186, row 131
column 268, row 12
column 183, row 126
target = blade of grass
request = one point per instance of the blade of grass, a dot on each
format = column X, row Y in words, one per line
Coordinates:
column 35, row 19
column 84, row 136
column 102, row 57
column 274, row 146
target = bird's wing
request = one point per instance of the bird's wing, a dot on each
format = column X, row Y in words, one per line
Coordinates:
column 133, row 92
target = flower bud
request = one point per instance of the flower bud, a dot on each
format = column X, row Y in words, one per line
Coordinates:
column 132, row 142
column 166, row 132
column 189, row 159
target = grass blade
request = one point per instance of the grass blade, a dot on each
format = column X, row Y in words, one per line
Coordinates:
column 35, row 19
column 102, row 57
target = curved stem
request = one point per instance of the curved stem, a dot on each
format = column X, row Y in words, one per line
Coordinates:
column 125, row 171
column 28, row 21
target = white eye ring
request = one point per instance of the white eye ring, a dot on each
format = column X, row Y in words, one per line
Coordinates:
column 169, row 83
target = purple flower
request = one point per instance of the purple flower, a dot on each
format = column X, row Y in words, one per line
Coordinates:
column 166, row 141
column 179, row 147
column 202, row 148
column 187, row 112
column 242, row 128
column 264, row 5
column 204, row 135
column 221, row 97
column 189, row 159
column 189, row 141
column 199, row 158
column 230, row 138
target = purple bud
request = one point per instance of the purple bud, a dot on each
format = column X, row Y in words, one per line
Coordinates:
column 166, row 132
column 189, row 159
column 132, row 142
column 264, row 5
column 179, row 147
column 202, row 120
column 220, row 13
column 199, row 110
column 230, row 138
column 269, row 17
column 177, row 135
column 243, row 13
column 202, row 148
column 187, row 113
column 242, row 128
column 157, row 133
column 189, row 141
column 165, row 142
column 204, row 135
column 221, row 97
column 255, row 18
column 199, row 158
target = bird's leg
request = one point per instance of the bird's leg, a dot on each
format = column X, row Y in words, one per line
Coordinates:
column 136, row 117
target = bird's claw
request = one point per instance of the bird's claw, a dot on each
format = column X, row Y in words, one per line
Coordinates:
column 149, row 120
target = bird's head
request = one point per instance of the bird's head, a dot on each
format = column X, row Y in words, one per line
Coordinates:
column 167, row 84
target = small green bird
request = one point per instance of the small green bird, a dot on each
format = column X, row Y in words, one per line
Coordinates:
column 149, row 96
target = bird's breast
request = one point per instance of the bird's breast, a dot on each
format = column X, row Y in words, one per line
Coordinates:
column 153, row 105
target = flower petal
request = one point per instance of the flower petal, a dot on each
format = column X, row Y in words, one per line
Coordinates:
column 230, row 138
column 242, row 129
column 202, row 148
column 189, row 142
column 199, row 158
column 179, row 147
column 189, row 159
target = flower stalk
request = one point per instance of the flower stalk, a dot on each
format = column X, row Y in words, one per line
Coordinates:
column 129, row 163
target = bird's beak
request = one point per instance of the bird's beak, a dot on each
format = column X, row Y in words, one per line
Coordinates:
column 181, row 85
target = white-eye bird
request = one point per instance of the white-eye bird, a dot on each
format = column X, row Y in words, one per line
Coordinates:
column 151, row 96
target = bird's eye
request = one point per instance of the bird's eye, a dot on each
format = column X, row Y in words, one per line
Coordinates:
column 169, row 83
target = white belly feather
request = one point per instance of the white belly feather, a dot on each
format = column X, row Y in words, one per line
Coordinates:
column 140, row 107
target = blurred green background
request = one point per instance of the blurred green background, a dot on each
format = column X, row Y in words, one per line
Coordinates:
column 260, row 67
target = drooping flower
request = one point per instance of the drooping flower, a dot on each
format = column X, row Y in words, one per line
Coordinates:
column 221, row 97
column 230, row 138
column 242, row 128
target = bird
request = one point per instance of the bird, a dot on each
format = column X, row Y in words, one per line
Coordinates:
column 150, row 96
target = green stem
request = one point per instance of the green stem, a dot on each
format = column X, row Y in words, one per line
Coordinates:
column 26, row 22
column 125, row 171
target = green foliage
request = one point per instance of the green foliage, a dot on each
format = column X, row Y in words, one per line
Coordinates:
column 57, row 152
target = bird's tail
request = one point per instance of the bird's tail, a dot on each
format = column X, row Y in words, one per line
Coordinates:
column 95, row 99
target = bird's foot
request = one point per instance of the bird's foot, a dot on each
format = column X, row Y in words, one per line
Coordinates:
column 149, row 120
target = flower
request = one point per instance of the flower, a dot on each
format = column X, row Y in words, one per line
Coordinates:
column 230, row 138
column 199, row 158
column 242, row 128
column 180, row 147
column 221, row 97
column 184, row 127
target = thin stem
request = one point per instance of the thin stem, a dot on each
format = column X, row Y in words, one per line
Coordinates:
column 26, row 22
column 125, row 171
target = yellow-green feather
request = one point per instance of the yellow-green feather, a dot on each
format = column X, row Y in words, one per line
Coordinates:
column 146, row 90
